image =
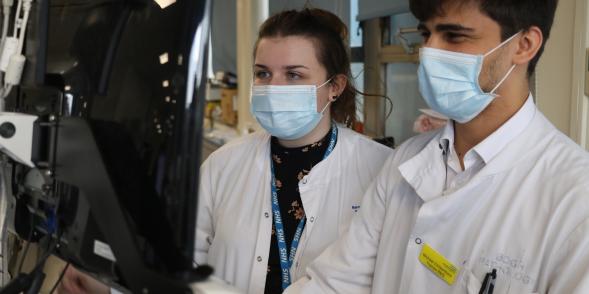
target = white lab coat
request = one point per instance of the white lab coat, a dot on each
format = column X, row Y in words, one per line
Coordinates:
column 525, row 213
column 234, row 216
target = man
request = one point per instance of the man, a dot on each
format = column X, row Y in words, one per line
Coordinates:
column 495, row 202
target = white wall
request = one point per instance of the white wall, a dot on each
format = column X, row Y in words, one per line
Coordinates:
column 560, row 73
column 554, row 72
column 580, row 119
column 585, row 107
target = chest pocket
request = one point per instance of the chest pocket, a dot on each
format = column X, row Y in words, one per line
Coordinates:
column 503, row 285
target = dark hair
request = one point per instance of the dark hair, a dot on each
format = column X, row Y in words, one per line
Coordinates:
column 511, row 15
column 329, row 35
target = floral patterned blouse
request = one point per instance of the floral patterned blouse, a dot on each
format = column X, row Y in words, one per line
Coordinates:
column 290, row 165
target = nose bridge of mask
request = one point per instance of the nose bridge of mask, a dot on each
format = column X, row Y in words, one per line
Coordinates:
column 284, row 98
column 285, row 89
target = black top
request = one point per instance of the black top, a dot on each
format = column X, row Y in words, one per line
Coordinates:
column 290, row 166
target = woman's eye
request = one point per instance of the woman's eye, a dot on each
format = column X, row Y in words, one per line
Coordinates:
column 293, row 75
column 261, row 74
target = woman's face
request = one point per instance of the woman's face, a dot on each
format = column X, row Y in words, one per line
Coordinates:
column 291, row 61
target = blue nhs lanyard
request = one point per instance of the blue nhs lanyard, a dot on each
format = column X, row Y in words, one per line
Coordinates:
column 286, row 259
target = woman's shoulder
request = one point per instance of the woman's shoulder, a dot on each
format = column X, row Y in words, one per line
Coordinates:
column 241, row 146
column 364, row 142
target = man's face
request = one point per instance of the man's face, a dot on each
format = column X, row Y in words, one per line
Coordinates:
column 464, row 28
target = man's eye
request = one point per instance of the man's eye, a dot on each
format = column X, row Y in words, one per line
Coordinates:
column 454, row 38
column 425, row 35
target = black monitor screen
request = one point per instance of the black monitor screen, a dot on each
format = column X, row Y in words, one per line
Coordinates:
column 123, row 68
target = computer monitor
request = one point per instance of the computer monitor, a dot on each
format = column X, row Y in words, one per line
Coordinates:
column 118, row 89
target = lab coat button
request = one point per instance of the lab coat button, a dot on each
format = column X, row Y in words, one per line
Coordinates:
column 267, row 215
column 259, row 259
column 418, row 241
column 312, row 219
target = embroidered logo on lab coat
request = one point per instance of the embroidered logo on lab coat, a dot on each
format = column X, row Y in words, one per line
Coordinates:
column 512, row 268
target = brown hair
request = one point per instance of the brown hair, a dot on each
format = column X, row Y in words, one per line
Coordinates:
column 329, row 34
column 512, row 15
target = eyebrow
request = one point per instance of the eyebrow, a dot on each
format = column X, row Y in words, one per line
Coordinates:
column 288, row 67
column 447, row 27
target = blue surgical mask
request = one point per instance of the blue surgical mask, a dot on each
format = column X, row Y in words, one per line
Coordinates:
column 287, row 112
column 449, row 82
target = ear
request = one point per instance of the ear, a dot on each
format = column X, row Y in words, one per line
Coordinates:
column 337, row 86
column 529, row 45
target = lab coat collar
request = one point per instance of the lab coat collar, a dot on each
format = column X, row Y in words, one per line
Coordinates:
column 263, row 153
column 488, row 148
column 325, row 170
column 330, row 167
column 426, row 171
column 497, row 141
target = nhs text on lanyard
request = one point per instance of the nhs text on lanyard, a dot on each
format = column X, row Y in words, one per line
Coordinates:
column 287, row 258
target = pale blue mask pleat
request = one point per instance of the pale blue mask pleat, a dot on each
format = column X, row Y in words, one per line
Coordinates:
column 286, row 112
column 449, row 83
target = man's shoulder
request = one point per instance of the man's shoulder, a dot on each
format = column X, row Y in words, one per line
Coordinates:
column 561, row 165
column 563, row 153
column 568, row 159
column 414, row 145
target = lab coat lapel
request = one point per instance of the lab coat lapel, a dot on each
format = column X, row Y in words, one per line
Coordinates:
column 314, row 186
column 426, row 171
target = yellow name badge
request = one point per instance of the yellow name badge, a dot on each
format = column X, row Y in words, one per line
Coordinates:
column 438, row 264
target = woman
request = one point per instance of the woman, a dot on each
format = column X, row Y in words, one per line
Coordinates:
column 270, row 202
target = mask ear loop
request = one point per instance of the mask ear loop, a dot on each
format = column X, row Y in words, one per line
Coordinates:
column 512, row 67
column 329, row 80
column 329, row 102
column 502, row 44
column 503, row 80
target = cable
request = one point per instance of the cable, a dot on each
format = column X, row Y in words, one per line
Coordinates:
column 16, row 23
column 6, row 7
column 60, row 278
column 25, row 252
column 24, row 22
column 44, row 257
column 17, row 59
column 5, row 21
